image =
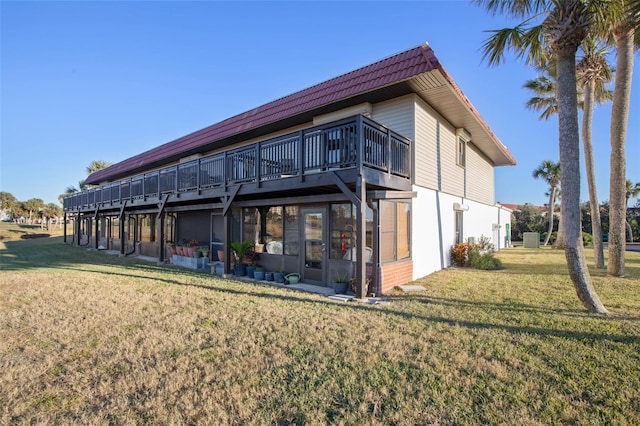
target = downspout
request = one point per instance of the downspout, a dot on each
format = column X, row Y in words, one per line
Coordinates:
column 64, row 220
column 88, row 226
column 135, row 234
column 375, row 278
column 96, row 242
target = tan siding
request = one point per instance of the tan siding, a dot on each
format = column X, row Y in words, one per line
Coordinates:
column 397, row 114
column 426, row 146
column 452, row 175
column 480, row 177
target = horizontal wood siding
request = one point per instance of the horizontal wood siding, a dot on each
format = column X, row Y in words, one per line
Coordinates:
column 426, row 146
column 397, row 115
column 480, row 177
column 451, row 174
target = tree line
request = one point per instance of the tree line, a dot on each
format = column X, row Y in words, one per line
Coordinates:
column 31, row 211
column 530, row 218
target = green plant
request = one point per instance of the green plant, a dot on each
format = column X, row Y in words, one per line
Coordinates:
column 341, row 278
column 587, row 239
column 241, row 248
column 203, row 249
column 484, row 261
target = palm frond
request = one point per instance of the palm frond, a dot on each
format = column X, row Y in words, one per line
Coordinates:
column 514, row 8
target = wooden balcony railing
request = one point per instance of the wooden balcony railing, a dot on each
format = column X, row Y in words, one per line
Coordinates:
column 350, row 143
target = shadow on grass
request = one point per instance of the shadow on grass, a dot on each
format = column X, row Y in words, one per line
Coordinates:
column 60, row 256
column 461, row 304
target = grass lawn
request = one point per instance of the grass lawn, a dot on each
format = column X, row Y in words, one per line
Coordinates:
column 89, row 338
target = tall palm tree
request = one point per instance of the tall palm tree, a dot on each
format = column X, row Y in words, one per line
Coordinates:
column 632, row 191
column 549, row 171
column 594, row 73
column 562, row 31
column 622, row 20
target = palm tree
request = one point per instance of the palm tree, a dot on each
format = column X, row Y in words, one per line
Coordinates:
column 621, row 22
column 561, row 33
column 594, row 73
column 632, row 191
column 97, row 165
column 549, row 171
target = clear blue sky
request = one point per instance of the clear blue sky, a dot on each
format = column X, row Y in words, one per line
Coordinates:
column 83, row 81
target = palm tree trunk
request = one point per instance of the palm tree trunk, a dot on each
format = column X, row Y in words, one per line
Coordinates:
column 587, row 121
column 552, row 202
column 617, row 182
column 570, row 163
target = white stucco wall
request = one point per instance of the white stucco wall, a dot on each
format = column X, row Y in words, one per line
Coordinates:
column 433, row 231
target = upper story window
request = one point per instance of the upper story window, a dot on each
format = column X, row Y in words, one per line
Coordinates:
column 463, row 137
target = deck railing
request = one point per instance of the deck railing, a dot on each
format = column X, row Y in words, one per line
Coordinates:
column 350, row 143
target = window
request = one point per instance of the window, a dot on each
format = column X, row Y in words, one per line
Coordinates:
column 458, row 226
column 344, row 237
column 250, row 225
column 462, row 148
column 395, row 230
column 291, row 230
column 343, row 230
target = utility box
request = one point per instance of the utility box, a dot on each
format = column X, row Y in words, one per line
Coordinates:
column 531, row 240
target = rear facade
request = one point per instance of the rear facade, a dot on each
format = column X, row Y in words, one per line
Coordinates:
column 373, row 176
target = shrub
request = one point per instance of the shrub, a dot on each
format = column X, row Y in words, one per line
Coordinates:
column 484, row 261
column 459, row 254
column 587, row 239
column 485, row 245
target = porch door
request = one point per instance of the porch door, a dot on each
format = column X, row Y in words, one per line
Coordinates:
column 314, row 238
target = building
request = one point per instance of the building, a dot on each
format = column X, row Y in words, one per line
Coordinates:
column 390, row 160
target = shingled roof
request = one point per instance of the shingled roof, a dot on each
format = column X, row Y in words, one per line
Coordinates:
column 386, row 72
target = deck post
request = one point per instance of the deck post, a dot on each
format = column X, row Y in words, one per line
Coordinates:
column 361, row 217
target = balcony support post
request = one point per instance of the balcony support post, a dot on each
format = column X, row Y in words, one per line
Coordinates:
column 121, row 226
column 361, row 227
column 96, row 243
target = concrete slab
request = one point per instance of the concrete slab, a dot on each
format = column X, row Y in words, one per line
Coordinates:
column 341, row 297
column 408, row 288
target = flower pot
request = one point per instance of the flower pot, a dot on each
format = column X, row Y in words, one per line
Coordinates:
column 340, row 288
column 240, row 270
column 278, row 277
column 180, row 251
column 250, row 271
column 268, row 276
column 221, row 255
column 197, row 254
column 258, row 275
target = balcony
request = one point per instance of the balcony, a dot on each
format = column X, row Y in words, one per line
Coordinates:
column 356, row 143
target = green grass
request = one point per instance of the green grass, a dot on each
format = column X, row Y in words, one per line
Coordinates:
column 92, row 338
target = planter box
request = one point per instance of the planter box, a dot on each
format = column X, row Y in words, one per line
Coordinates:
column 190, row 262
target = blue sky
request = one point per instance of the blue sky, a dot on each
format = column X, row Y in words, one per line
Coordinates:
column 83, row 81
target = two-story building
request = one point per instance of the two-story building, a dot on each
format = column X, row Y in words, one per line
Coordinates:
column 376, row 174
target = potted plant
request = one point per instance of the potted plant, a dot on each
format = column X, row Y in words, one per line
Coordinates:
column 180, row 248
column 204, row 251
column 341, row 283
column 258, row 274
column 239, row 250
column 278, row 275
column 268, row 276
